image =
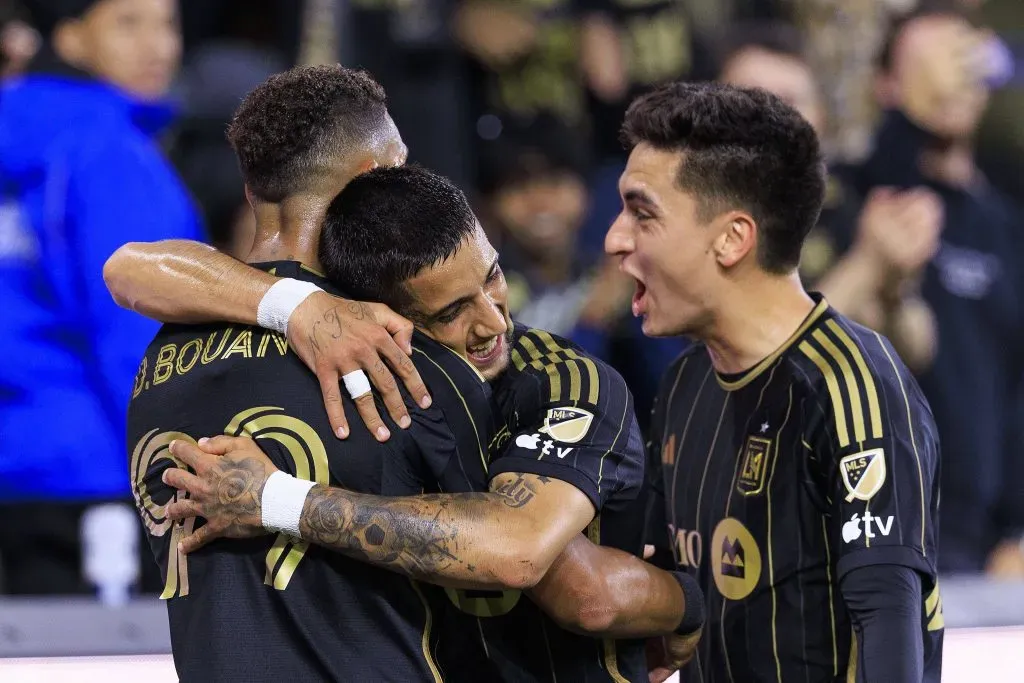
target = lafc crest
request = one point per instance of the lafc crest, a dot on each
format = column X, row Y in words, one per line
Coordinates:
column 755, row 463
column 863, row 474
column 568, row 425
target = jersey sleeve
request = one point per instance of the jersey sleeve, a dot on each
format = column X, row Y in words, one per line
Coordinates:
column 453, row 434
column 879, row 454
column 593, row 444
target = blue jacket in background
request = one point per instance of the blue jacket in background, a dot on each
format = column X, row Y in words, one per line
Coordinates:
column 80, row 175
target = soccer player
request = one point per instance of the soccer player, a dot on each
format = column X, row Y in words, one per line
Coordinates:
column 800, row 458
column 566, row 457
column 328, row 616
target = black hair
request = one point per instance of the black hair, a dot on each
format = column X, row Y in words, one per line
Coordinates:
column 894, row 30
column 294, row 126
column 386, row 226
column 776, row 37
column 526, row 149
column 741, row 148
column 46, row 15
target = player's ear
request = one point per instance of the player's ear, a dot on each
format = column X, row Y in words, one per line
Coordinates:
column 249, row 196
column 736, row 239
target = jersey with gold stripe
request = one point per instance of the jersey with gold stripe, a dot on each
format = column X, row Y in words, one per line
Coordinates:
column 559, row 413
column 272, row 608
column 779, row 481
column 568, row 416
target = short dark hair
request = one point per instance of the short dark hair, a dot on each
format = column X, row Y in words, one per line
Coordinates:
column 290, row 128
column 776, row 37
column 743, row 148
column 386, row 226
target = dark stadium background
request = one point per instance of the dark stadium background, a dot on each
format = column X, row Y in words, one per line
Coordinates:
column 519, row 101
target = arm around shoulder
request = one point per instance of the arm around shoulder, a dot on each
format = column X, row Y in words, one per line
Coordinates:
column 181, row 281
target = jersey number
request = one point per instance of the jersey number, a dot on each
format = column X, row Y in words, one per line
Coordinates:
column 297, row 438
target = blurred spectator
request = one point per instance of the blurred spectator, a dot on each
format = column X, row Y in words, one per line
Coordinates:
column 80, row 175
column 525, row 60
column 217, row 74
column 934, row 73
column 866, row 257
column 208, row 166
column 533, row 181
column 1001, row 138
column 19, row 42
column 627, row 47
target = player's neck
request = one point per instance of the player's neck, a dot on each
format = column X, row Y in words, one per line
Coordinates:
column 755, row 320
column 288, row 231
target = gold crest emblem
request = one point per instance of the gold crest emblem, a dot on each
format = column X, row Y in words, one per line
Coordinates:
column 568, row 425
column 755, row 463
column 863, row 474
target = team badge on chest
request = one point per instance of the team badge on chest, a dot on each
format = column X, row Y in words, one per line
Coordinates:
column 750, row 481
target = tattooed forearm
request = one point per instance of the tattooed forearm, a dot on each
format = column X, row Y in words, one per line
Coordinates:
column 235, row 492
column 438, row 537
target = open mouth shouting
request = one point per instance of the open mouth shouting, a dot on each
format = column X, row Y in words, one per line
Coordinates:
column 639, row 299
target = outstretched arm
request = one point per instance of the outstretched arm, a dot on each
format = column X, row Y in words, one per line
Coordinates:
column 526, row 528
column 189, row 282
column 505, row 538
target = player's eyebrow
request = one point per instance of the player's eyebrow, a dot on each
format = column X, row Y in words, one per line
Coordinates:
column 637, row 196
column 463, row 300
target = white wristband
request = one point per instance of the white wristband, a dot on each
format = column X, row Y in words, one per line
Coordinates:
column 282, row 501
column 280, row 301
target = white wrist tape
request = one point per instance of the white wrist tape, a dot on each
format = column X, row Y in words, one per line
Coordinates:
column 280, row 301
column 283, row 498
column 356, row 383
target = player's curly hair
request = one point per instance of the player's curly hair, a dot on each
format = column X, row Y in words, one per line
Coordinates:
column 292, row 127
column 386, row 226
column 742, row 148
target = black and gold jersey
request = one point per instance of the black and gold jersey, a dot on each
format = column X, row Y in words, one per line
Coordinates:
column 272, row 607
column 561, row 414
column 779, row 481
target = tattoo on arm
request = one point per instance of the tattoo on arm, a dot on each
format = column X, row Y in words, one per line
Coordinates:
column 424, row 537
column 236, row 493
column 328, row 327
column 516, row 494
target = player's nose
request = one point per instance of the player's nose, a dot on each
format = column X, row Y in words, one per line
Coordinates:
column 618, row 241
column 490, row 322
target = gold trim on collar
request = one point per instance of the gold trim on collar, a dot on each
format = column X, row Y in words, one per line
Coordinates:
column 756, row 371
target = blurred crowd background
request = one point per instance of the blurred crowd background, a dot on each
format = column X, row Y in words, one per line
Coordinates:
column 112, row 120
